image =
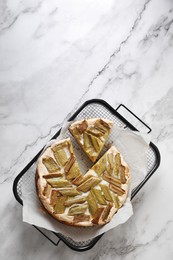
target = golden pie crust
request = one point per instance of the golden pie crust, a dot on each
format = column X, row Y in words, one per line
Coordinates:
column 76, row 199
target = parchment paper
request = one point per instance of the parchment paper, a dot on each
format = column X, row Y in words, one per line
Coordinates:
column 132, row 145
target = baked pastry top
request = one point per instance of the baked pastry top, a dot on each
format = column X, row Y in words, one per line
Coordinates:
column 91, row 135
column 76, row 199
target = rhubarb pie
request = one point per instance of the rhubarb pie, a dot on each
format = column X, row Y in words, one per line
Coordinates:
column 76, row 199
column 91, row 135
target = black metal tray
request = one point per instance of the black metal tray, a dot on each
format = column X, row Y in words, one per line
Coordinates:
column 90, row 109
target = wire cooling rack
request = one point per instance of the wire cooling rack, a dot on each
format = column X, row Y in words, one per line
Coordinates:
column 92, row 109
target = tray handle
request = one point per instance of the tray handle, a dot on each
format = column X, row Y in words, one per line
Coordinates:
column 50, row 235
column 123, row 107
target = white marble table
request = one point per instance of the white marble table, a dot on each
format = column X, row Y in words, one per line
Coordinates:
column 56, row 54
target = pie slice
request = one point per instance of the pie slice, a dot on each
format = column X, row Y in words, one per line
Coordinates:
column 76, row 199
column 91, row 135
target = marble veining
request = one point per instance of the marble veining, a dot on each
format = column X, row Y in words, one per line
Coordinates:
column 56, row 54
